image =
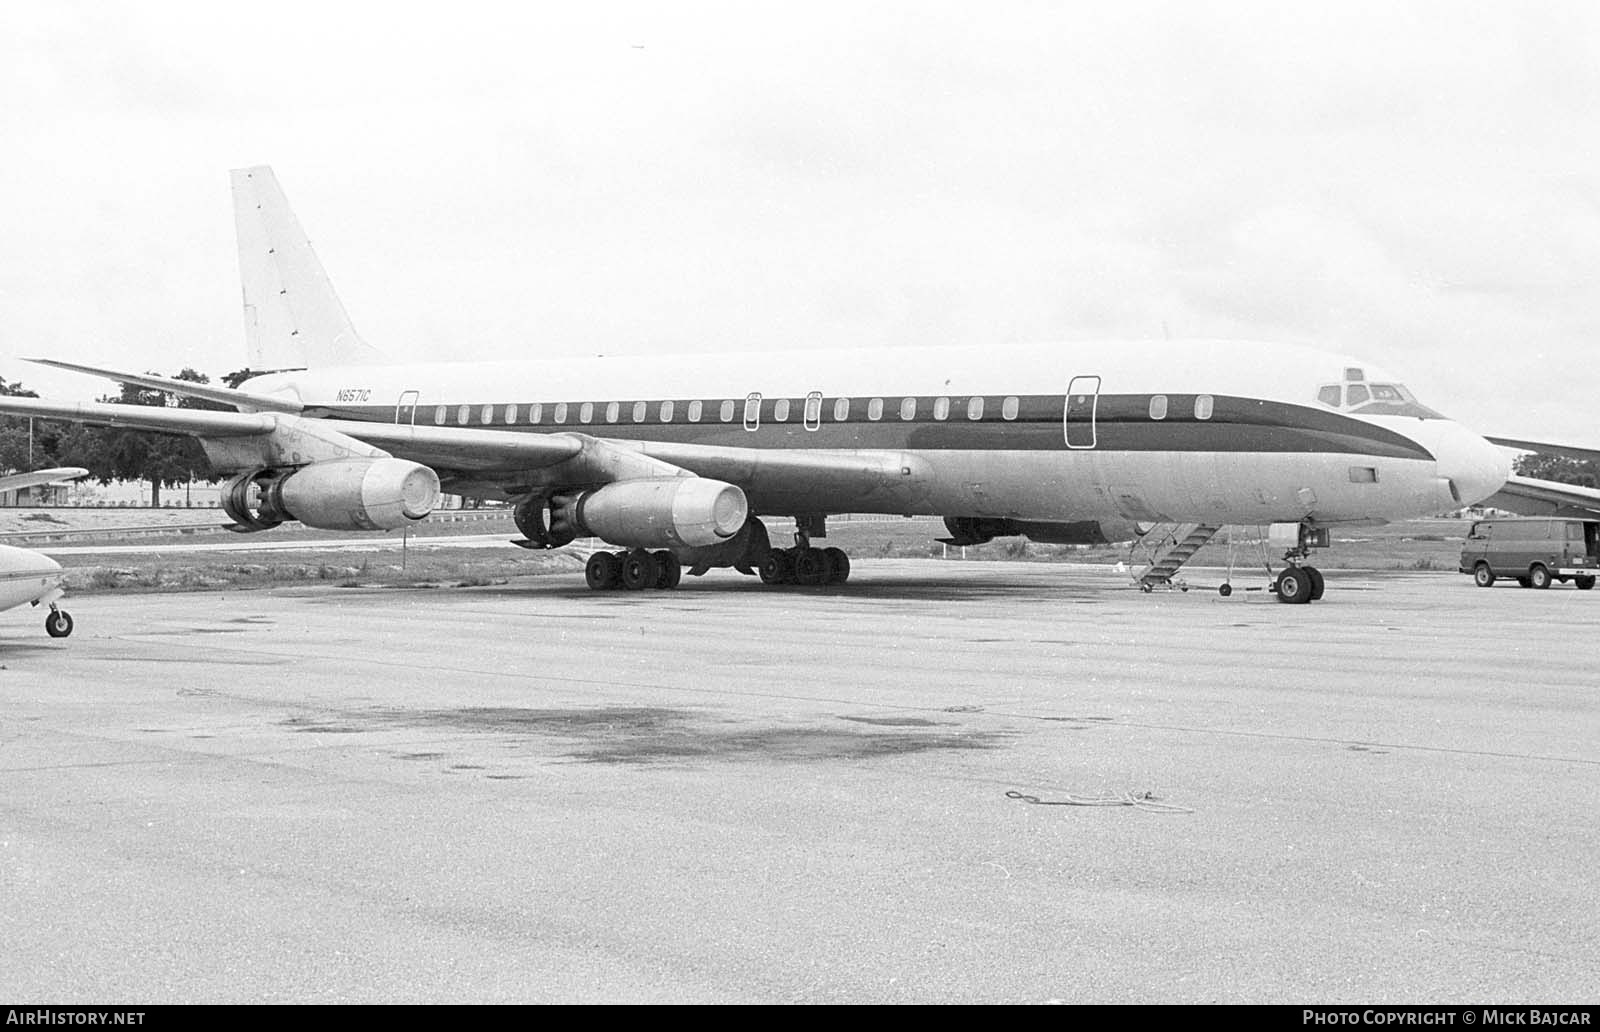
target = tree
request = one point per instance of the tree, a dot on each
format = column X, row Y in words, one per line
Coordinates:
column 24, row 443
column 112, row 453
column 1582, row 473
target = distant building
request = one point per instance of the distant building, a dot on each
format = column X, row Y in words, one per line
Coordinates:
column 37, row 496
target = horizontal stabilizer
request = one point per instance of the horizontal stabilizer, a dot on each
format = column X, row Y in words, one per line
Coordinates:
column 244, row 401
column 1532, row 497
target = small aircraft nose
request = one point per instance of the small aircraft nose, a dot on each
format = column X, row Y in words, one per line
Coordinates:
column 1476, row 468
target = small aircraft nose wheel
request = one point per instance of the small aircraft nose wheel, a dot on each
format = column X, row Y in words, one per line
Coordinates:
column 58, row 624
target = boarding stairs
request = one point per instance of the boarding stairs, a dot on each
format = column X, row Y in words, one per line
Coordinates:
column 1164, row 549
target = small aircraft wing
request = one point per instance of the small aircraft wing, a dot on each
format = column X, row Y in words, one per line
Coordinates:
column 18, row 481
column 1532, row 497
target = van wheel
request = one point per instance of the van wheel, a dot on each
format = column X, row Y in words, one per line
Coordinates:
column 1539, row 577
column 1482, row 576
column 1583, row 583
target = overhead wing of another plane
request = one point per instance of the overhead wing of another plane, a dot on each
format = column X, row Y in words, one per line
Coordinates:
column 1564, row 450
column 1531, row 496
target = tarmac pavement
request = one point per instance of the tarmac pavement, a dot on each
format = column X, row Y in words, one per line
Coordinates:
column 729, row 793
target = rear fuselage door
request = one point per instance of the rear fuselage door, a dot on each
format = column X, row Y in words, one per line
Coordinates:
column 1078, row 417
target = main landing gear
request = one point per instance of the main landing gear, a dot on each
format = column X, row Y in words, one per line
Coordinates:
column 634, row 570
column 804, row 565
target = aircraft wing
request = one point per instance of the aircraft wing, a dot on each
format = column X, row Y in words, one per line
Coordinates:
column 243, row 400
column 18, row 481
column 444, row 448
column 1564, row 450
column 1531, row 497
column 775, row 480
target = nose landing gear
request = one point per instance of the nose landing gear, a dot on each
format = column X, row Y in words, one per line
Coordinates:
column 1298, row 583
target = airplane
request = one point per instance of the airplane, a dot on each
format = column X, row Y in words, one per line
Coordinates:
column 675, row 461
column 27, row 576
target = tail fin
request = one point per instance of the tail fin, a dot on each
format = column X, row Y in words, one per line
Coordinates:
column 292, row 317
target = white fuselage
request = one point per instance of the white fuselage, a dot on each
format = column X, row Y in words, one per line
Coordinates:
column 27, row 577
column 1218, row 431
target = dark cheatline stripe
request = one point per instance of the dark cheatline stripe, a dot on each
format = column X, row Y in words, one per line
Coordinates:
column 1121, row 423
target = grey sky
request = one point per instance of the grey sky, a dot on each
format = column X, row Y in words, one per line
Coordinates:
column 1415, row 183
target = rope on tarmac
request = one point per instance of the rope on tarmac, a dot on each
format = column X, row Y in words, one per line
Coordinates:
column 1142, row 800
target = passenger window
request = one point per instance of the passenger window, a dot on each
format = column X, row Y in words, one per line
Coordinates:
column 613, row 410
column 438, row 415
column 1357, row 396
column 727, row 411
column 811, row 415
column 1202, row 406
column 752, row 412
column 639, row 410
column 511, row 413
column 560, row 413
column 1329, row 395
column 1158, row 407
column 975, row 408
column 666, row 411
column 780, row 410
column 875, row 409
column 464, row 415
column 1008, row 408
column 586, row 412
column 841, row 410
column 694, row 411
column 941, row 408
column 908, row 408
column 535, row 412
column 486, row 415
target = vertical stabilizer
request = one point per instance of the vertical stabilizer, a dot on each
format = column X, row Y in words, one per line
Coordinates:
column 292, row 317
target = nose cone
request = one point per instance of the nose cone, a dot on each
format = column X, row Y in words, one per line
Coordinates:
column 1476, row 468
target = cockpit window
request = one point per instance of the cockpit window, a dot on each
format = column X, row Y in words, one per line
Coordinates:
column 1357, row 394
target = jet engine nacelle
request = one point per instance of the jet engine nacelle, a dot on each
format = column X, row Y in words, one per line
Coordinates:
column 341, row 494
column 655, row 512
column 976, row 530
